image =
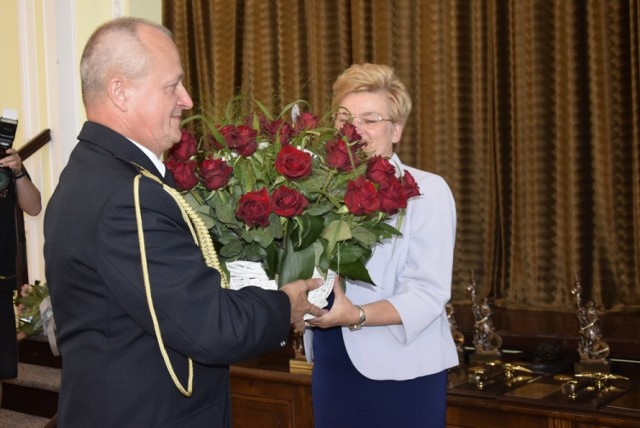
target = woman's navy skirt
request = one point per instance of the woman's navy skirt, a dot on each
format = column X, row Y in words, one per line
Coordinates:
column 342, row 397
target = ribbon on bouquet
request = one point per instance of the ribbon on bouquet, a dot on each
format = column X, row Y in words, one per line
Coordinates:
column 244, row 273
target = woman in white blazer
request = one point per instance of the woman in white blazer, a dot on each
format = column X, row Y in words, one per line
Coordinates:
column 381, row 353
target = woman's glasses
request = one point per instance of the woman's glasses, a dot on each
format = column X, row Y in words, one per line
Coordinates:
column 365, row 120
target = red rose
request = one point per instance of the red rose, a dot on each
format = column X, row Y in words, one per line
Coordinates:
column 306, row 121
column 361, row 197
column 211, row 144
column 380, row 170
column 263, row 122
column 288, row 202
column 338, row 156
column 409, row 186
column 228, row 132
column 183, row 172
column 254, row 208
column 281, row 129
column 240, row 139
column 186, row 147
column 215, row 173
column 349, row 131
column 294, row 164
column 391, row 196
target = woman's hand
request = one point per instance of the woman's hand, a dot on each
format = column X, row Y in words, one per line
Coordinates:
column 343, row 312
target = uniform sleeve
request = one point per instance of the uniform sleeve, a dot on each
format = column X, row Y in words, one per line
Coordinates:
column 196, row 316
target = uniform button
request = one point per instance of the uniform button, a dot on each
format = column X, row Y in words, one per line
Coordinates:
column 283, row 343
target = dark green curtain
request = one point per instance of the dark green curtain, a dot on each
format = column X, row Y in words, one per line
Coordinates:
column 528, row 108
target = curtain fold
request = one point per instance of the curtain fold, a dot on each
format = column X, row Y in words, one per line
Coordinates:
column 528, row 108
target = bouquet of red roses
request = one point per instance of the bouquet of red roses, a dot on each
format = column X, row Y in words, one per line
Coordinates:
column 288, row 193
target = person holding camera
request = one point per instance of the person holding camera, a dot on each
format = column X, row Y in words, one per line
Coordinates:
column 17, row 192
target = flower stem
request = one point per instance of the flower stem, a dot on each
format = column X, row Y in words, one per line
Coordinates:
column 325, row 192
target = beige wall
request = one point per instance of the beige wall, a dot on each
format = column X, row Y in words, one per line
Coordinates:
column 10, row 68
column 41, row 43
column 89, row 14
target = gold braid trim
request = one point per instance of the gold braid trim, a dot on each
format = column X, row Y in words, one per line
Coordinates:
column 201, row 237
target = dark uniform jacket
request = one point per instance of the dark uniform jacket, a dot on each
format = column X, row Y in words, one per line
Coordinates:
column 113, row 373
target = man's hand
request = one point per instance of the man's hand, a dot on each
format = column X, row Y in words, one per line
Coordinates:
column 297, row 292
column 12, row 160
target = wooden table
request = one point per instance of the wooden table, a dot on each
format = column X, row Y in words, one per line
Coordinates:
column 265, row 394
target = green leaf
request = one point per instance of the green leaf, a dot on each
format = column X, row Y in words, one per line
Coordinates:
column 264, row 110
column 189, row 197
column 349, row 253
column 355, row 271
column 205, row 214
column 277, row 181
column 255, row 253
column 319, row 208
column 337, row 230
column 270, row 264
column 232, row 249
column 245, row 234
column 258, row 158
column 245, row 173
column 262, row 236
column 226, row 213
column 382, row 229
column 363, row 235
column 297, row 265
column 322, row 258
column 218, row 136
column 308, row 230
column 275, row 227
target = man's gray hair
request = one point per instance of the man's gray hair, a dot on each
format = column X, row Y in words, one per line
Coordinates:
column 115, row 48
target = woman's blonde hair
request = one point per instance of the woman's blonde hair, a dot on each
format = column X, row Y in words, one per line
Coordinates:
column 374, row 78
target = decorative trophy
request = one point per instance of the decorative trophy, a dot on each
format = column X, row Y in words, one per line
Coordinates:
column 583, row 384
column 458, row 337
column 592, row 349
column 497, row 372
column 486, row 341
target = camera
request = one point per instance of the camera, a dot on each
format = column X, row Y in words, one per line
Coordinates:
column 8, row 126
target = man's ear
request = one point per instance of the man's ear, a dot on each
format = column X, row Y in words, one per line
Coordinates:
column 117, row 93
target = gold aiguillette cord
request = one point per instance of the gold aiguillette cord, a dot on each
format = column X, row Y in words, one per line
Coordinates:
column 201, row 237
